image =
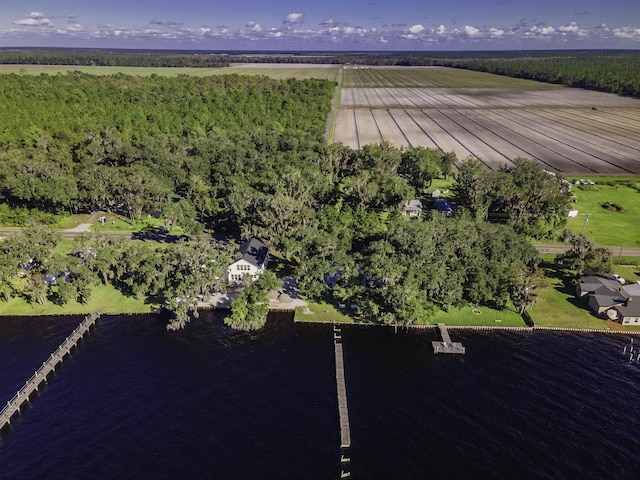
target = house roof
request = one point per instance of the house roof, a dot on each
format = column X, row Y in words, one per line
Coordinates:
column 633, row 289
column 413, row 206
column 445, row 206
column 592, row 283
column 606, row 301
column 254, row 251
column 632, row 310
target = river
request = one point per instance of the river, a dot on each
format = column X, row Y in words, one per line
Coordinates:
column 138, row 401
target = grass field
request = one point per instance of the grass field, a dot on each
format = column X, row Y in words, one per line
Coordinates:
column 606, row 227
column 107, row 300
column 432, row 77
column 278, row 71
column 558, row 307
column 325, row 312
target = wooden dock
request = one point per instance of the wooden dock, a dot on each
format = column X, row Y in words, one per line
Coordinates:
column 447, row 346
column 32, row 385
column 345, row 430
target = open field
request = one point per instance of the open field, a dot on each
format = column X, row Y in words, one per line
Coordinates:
column 432, row 77
column 299, row 71
column 607, row 227
column 490, row 117
column 104, row 299
column 278, row 71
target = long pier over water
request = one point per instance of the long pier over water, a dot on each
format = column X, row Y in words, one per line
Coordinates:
column 32, row 385
column 345, row 431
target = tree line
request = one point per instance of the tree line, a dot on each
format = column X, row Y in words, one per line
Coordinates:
column 107, row 58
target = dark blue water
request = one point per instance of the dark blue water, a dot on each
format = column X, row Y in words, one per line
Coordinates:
column 137, row 401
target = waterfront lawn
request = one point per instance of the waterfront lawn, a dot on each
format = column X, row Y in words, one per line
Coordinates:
column 557, row 305
column 491, row 317
column 107, row 300
column 321, row 312
column 607, row 227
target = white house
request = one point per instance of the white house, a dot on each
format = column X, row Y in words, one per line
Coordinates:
column 412, row 208
column 255, row 256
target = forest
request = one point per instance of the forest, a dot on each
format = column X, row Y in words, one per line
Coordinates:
column 246, row 156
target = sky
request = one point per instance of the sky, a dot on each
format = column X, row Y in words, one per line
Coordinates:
column 420, row 25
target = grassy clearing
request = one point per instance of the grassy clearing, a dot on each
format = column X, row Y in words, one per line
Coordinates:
column 134, row 71
column 321, row 312
column 107, row 300
column 469, row 316
column 325, row 312
column 284, row 71
column 607, row 227
column 433, row 77
column 328, row 72
column 558, row 307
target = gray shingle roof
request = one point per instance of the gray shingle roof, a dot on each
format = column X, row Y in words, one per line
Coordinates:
column 254, row 251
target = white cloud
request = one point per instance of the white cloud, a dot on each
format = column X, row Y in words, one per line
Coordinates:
column 542, row 30
column 571, row 28
column 416, row 29
column 383, row 40
column 471, row 31
column 630, row 33
column 293, row 18
column 441, row 30
column 253, row 26
column 34, row 19
column 496, row 32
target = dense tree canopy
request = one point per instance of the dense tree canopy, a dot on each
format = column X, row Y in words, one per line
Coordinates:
column 245, row 156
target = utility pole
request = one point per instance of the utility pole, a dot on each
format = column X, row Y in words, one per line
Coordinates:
column 586, row 219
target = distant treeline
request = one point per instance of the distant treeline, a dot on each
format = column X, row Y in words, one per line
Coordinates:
column 112, row 59
column 613, row 74
column 613, row 71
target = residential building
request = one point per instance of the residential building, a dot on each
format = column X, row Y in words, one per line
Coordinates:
column 254, row 260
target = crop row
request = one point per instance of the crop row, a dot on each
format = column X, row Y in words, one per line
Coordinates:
column 479, row 98
column 431, row 77
column 568, row 140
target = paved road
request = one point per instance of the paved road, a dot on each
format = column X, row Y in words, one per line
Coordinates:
column 73, row 233
column 557, row 249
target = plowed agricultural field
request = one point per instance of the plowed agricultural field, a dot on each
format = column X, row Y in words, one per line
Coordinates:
column 490, row 117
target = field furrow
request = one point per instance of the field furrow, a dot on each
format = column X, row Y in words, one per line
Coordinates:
column 441, row 137
column 368, row 132
column 591, row 133
column 522, row 139
column 390, row 131
column 474, row 143
column 345, row 131
column 416, row 136
column 573, row 150
column 612, row 162
column 492, row 118
column 492, row 133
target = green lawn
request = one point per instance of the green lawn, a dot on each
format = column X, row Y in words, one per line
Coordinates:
column 429, row 77
column 278, row 71
column 107, row 300
column 325, row 312
column 558, row 307
column 468, row 316
column 321, row 312
column 140, row 71
column 604, row 226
